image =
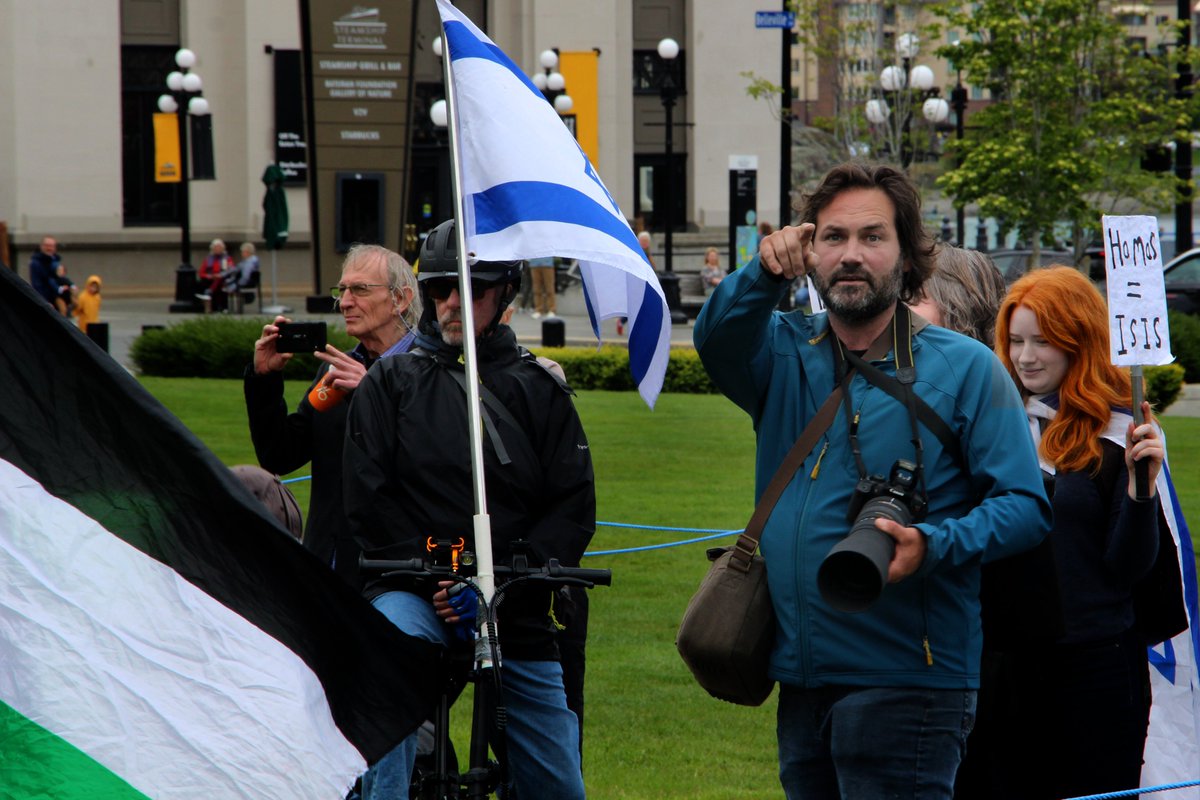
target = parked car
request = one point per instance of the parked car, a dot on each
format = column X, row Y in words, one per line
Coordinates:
column 1181, row 277
column 1015, row 263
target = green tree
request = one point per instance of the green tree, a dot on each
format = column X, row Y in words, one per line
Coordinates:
column 1075, row 108
column 850, row 43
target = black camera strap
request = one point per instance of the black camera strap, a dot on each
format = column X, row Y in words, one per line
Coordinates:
column 900, row 386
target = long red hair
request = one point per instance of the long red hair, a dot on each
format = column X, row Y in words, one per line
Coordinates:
column 1073, row 317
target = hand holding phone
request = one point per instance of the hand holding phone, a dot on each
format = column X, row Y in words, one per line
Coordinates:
column 300, row 337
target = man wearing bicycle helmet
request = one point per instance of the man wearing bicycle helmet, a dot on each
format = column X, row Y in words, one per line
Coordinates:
column 408, row 478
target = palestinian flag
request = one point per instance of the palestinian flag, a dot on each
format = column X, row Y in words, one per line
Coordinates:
column 160, row 635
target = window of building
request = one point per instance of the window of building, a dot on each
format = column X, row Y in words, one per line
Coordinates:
column 649, row 69
column 144, row 70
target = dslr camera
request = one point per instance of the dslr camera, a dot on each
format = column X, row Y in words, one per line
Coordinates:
column 853, row 574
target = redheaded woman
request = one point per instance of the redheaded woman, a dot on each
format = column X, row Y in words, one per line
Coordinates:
column 1076, row 712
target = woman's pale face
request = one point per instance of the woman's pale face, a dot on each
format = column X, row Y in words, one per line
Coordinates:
column 1040, row 365
column 710, row 258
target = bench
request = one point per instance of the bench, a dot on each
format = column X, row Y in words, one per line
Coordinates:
column 691, row 293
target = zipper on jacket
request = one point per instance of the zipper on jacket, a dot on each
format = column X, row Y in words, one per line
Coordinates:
column 817, row 467
column 925, row 623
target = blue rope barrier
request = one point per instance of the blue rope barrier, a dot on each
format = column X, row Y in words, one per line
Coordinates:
column 658, row 546
column 715, row 533
column 1132, row 792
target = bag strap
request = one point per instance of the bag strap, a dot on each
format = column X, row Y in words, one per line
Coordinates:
column 747, row 542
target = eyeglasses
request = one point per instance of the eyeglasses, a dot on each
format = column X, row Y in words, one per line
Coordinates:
column 356, row 289
column 440, row 288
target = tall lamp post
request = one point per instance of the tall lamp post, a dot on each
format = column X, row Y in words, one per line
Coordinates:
column 551, row 83
column 1183, row 147
column 184, row 98
column 668, row 51
column 905, row 87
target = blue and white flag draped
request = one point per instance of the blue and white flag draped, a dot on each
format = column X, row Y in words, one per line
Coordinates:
column 1172, row 752
column 529, row 191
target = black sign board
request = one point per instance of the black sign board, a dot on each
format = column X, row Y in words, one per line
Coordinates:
column 291, row 150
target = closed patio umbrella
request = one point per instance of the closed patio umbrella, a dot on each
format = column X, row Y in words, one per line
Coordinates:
column 275, row 225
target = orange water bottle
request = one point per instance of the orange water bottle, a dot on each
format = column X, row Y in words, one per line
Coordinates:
column 325, row 395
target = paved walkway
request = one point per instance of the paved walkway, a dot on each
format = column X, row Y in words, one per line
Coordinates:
column 126, row 316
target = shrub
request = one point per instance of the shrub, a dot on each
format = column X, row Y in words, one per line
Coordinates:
column 215, row 347
column 608, row 368
column 1185, row 343
column 1163, row 385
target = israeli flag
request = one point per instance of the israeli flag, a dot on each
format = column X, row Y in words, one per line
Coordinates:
column 1172, row 752
column 529, row 191
column 1173, row 740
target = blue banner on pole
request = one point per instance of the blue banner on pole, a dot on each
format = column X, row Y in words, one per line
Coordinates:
column 774, row 19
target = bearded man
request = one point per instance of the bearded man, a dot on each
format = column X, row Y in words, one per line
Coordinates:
column 879, row 702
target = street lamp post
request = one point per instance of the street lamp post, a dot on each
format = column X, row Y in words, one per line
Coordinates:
column 184, row 98
column 668, row 51
column 551, row 83
column 1183, row 146
column 905, row 86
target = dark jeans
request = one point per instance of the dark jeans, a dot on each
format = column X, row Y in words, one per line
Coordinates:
column 850, row 743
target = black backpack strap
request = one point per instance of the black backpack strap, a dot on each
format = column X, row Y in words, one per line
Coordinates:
column 498, row 408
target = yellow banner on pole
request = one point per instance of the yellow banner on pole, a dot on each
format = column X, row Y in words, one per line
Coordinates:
column 166, row 149
column 582, row 72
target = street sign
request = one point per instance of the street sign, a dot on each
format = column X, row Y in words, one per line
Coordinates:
column 774, row 19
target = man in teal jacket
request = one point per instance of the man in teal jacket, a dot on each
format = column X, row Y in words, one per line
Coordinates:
column 876, row 703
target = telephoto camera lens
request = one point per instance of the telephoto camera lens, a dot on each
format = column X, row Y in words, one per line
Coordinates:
column 853, row 575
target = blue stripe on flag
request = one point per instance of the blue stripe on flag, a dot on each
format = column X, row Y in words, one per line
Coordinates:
column 464, row 44
column 587, row 302
column 1187, row 561
column 512, row 203
column 644, row 333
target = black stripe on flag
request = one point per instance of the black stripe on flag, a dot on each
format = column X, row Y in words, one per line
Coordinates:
column 75, row 420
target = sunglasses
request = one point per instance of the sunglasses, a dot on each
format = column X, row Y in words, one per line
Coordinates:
column 440, row 288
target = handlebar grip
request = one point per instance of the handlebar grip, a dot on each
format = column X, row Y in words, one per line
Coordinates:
column 600, row 577
column 413, row 566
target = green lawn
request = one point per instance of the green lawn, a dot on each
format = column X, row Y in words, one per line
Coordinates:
column 650, row 732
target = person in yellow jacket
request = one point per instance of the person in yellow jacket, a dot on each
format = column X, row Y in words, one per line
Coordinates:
column 87, row 304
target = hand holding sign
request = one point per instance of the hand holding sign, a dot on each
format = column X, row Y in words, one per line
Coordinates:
column 1137, row 308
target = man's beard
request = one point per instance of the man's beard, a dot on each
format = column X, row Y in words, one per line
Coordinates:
column 858, row 305
column 453, row 338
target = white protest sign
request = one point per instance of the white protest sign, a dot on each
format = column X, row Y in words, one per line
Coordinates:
column 1137, row 302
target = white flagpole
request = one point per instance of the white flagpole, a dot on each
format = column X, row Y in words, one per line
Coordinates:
column 485, row 576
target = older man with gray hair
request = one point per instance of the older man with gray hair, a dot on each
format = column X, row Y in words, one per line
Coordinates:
column 377, row 296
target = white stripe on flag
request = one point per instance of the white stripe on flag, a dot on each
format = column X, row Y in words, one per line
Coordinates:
column 530, row 192
column 1172, row 752
column 1173, row 739
column 172, row 691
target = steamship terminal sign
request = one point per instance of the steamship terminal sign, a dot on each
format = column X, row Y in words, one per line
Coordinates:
column 359, row 57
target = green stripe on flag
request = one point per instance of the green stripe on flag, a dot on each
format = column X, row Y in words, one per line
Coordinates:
column 36, row 763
